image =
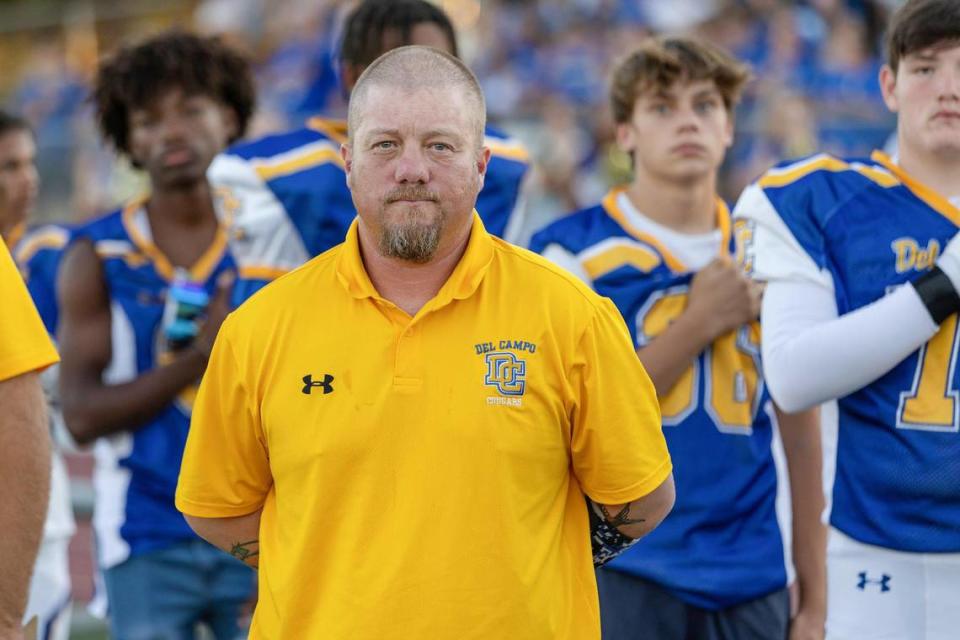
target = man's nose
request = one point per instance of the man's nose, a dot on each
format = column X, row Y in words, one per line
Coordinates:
column 32, row 177
column 687, row 118
column 950, row 85
column 173, row 127
column 412, row 165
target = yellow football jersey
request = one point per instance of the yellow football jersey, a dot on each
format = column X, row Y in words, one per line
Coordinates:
column 423, row 477
column 24, row 343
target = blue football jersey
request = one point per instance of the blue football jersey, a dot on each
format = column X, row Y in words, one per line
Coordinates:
column 864, row 227
column 721, row 545
column 37, row 253
column 294, row 203
column 136, row 471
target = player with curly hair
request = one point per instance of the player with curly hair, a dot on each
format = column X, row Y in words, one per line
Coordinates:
column 142, row 293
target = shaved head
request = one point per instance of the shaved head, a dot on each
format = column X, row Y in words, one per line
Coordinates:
column 411, row 69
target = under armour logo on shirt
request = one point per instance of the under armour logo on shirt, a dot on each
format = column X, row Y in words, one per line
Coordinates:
column 883, row 582
column 326, row 383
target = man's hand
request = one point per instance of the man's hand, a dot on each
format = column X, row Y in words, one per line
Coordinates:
column 808, row 625
column 217, row 311
column 723, row 297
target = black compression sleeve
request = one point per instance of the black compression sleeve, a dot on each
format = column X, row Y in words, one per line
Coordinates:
column 605, row 541
column 937, row 294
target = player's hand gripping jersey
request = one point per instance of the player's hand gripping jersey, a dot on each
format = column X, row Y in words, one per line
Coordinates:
column 294, row 202
column 721, row 544
column 859, row 229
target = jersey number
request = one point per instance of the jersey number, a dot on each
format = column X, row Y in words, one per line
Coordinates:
column 932, row 404
column 732, row 380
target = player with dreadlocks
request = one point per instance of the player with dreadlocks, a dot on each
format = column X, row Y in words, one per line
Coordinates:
column 142, row 292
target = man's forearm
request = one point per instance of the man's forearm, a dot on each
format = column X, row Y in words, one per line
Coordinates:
column 25, row 468
column 669, row 354
column 800, row 433
column 812, row 355
column 95, row 411
column 240, row 536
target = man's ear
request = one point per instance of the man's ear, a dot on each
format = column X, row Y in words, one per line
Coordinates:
column 626, row 137
column 346, row 153
column 483, row 162
column 888, row 85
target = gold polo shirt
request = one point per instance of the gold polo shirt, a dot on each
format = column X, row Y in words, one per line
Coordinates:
column 422, row 478
column 24, row 343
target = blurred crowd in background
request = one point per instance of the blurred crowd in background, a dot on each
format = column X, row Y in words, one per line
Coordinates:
column 543, row 65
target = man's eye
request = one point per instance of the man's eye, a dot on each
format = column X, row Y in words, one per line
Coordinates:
column 706, row 106
column 441, row 146
column 385, row 145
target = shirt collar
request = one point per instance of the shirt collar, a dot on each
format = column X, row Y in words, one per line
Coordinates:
column 466, row 276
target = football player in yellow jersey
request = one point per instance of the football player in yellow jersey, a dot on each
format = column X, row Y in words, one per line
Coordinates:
column 25, row 349
column 404, row 452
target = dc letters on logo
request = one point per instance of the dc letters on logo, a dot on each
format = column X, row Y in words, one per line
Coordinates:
column 505, row 371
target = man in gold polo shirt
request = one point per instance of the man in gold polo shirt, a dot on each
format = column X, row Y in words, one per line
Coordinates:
column 25, row 349
column 400, row 432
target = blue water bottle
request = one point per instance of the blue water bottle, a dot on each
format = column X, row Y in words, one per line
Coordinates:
column 186, row 302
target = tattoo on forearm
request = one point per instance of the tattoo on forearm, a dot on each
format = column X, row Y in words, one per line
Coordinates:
column 243, row 552
column 621, row 518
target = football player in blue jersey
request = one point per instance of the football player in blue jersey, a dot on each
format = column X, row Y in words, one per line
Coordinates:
column 36, row 252
column 143, row 292
column 862, row 263
column 662, row 250
column 291, row 187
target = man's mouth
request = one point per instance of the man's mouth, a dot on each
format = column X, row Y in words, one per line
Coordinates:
column 949, row 116
column 689, row 149
column 417, row 195
column 176, row 157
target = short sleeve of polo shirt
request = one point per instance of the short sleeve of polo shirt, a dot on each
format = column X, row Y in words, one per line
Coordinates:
column 24, row 343
column 225, row 470
column 618, row 449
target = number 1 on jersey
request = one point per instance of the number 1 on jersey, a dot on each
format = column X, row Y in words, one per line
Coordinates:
column 932, row 404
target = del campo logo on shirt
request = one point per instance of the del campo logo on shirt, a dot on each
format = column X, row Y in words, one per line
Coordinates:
column 506, row 371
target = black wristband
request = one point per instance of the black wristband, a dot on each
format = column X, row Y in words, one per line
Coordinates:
column 938, row 295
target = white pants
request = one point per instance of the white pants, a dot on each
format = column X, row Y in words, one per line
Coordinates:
column 49, row 598
column 874, row 593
